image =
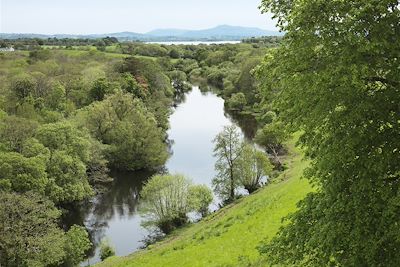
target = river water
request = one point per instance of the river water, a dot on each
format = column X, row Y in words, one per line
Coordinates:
column 114, row 215
column 194, row 42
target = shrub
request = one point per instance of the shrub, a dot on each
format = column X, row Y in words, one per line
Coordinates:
column 106, row 249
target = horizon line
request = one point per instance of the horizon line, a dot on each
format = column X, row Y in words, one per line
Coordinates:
column 144, row 33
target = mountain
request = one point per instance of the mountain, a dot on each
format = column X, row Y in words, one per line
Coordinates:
column 227, row 31
column 119, row 35
column 167, row 32
column 222, row 32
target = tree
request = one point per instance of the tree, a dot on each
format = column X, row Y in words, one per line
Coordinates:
column 21, row 174
column 70, row 152
column 179, row 79
column 246, row 82
column 56, row 98
column 200, row 198
column 68, row 181
column 167, row 200
column 23, row 85
column 271, row 137
column 29, row 232
column 100, row 88
column 14, row 131
column 106, row 249
column 335, row 78
column 129, row 129
column 76, row 244
column 174, row 53
column 130, row 85
column 228, row 148
column 254, row 165
column 237, row 101
column 148, row 73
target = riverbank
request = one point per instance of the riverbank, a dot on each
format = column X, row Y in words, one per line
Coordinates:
column 230, row 236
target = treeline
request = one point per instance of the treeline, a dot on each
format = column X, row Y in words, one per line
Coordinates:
column 34, row 43
column 270, row 41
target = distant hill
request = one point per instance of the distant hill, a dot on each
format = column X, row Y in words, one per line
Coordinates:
column 222, row 32
column 219, row 32
column 226, row 31
column 167, row 32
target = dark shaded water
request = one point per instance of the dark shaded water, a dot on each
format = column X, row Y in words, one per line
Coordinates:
column 193, row 126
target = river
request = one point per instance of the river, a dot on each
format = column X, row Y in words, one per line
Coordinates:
column 114, row 215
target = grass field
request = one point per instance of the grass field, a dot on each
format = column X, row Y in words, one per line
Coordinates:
column 230, row 236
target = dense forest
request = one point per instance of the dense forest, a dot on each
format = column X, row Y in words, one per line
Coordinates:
column 71, row 110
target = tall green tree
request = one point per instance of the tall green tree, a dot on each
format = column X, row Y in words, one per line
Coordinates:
column 124, row 124
column 228, row 149
column 254, row 166
column 336, row 78
column 14, row 131
column 76, row 244
column 30, row 235
column 29, row 232
column 70, row 152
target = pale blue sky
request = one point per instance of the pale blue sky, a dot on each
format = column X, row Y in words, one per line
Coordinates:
column 102, row 16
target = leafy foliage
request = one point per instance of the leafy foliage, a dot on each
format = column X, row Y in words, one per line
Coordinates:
column 228, row 149
column 254, row 165
column 70, row 152
column 336, row 78
column 106, row 249
column 200, row 198
column 167, row 200
column 129, row 129
column 77, row 243
column 21, row 174
column 30, row 235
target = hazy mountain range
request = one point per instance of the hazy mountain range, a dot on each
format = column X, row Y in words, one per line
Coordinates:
column 222, row 32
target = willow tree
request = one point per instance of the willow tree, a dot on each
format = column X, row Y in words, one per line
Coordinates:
column 336, row 78
column 165, row 201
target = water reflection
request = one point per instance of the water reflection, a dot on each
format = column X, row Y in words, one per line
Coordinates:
column 246, row 122
column 114, row 214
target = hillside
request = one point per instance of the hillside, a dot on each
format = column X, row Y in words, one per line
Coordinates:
column 230, row 236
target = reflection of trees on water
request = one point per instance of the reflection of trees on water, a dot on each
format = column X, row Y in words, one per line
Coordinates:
column 122, row 197
column 179, row 97
column 246, row 122
column 120, row 200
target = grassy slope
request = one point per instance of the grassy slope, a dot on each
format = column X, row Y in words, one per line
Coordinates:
column 232, row 234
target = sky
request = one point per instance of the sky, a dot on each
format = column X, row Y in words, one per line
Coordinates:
column 106, row 16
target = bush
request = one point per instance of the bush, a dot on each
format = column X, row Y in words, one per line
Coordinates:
column 237, row 101
column 106, row 249
column 77, row 243
column 167, row 199
column 200, row 198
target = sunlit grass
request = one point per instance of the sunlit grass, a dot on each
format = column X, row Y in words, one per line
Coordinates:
column 229, row 237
